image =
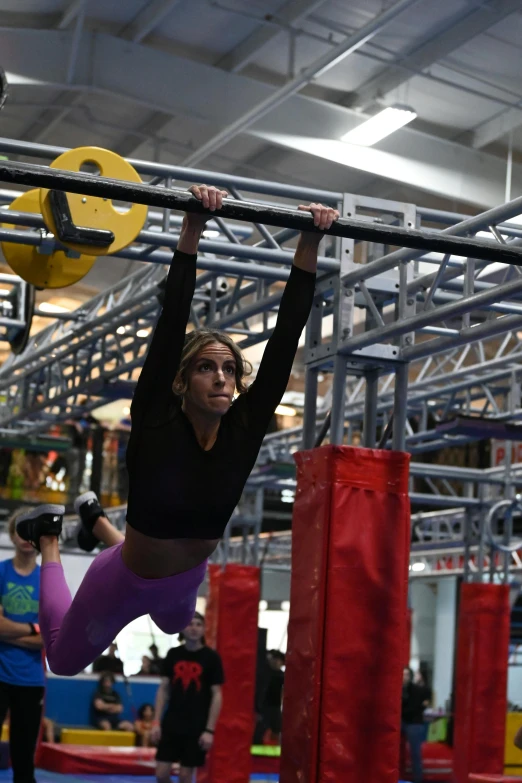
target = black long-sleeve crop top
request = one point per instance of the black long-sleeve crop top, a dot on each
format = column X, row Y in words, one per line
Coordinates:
column 176, row 488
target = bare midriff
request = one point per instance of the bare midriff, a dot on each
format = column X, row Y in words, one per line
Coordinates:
column 157, row 558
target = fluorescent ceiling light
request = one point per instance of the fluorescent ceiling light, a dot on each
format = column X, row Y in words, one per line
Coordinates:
column 285, row 410
column 381, row 125
column 4, row 292
column 418, row 567
column 142, row 333
column 210, row 233
column 48, row 307
column 120, row 330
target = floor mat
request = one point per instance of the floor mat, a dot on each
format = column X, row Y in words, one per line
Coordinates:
column 52, row 777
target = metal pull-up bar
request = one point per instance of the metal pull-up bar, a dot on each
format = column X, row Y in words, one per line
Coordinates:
column 38, row 176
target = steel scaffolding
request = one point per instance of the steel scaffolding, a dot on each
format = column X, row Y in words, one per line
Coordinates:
column 425, row 335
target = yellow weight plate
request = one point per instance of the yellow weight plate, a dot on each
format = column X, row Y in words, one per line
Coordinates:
column 94, row 212
column 44, row 271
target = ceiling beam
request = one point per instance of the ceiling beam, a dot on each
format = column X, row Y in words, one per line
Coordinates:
column 292, row 13
column 462, row 28
column 70, row 14
column 147, row 20
column 502, row 124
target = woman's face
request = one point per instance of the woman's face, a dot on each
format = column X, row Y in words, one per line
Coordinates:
column 148, row 713
column 212, row 380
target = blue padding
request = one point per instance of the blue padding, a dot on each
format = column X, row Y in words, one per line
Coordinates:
column 68, row 699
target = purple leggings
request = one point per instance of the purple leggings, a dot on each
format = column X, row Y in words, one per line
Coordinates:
column 76, row 631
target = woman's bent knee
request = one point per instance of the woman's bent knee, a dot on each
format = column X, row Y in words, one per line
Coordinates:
column 65, row 668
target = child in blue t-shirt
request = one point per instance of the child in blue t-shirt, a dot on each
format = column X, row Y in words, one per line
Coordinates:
column 21, row 666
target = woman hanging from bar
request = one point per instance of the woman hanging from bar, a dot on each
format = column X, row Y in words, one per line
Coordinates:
column 191, row 450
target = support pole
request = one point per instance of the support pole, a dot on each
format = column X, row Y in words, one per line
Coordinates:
column 400, row 411
column 310, row 407
column 338, row 400
column 350, row 552
column 370, row 409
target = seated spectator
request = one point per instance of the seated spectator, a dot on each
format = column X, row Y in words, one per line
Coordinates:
column 107, row 707
column 146, row 666
column 51, row 732
column 109, row 662
column 156, row 664
column 144, row 725
column 518, row 739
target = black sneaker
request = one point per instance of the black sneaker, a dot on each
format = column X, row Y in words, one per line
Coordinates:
column 88, row 508
column 43, row 520
column 86, row 539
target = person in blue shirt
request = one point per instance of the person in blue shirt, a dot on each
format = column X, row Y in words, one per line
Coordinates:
column 21, row 665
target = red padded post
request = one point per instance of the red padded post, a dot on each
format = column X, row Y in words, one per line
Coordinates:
column 212, row 608
column 481, row 681
column 409, row 629
column 233, row 607
column 493, row 779
column 348, row 617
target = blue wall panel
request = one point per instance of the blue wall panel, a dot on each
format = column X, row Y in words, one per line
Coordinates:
column 68, row 699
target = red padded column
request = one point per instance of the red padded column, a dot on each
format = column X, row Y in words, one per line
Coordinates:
column 304, row 657
column 233, row 608
column 481, row 680
column 347, row 631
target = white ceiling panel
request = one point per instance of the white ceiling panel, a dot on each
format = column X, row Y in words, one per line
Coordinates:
column 509, row 30
column 196, row 23
column 115, row 10
column 492, row 60
column 421, row 22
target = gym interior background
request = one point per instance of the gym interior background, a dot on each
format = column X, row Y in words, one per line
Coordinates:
column 417, row 350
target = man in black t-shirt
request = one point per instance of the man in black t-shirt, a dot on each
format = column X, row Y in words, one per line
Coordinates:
column 414, row 702
column 109, row 662
column 274, row 694
column 191, row 683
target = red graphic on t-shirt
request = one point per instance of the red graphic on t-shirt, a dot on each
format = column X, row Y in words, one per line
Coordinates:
column 187, row 672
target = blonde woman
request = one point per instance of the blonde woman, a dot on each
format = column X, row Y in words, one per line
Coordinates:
column 190, row 453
